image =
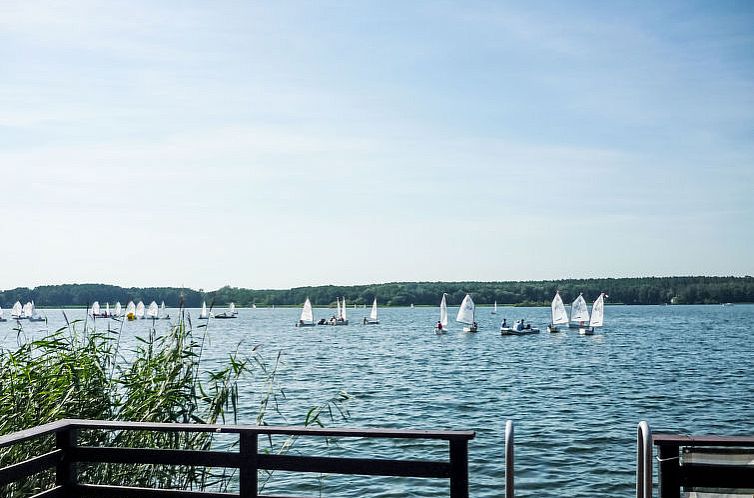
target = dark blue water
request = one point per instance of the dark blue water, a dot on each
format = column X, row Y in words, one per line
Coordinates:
column 575, row 400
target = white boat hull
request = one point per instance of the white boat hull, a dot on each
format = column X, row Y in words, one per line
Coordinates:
column 470, row 329
column 305, row 324
column 586, row 331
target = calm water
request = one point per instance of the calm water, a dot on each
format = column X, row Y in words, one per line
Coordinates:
column 575, row 400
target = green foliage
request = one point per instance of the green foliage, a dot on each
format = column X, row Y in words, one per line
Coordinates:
column 640, row 290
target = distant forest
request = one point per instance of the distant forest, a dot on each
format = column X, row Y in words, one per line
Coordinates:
column 644, row 290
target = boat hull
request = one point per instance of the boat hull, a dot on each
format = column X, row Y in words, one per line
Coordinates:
column 367, row 321
column 511, row 331
column 470, row 329
column 586, row 331
column 305, row 324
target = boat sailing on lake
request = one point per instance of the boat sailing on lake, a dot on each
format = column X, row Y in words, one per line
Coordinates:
column 372, row 319
column 442, row 323
column 579, row 313
column 340, row 317
column 466, row 314
column 307, row 315
column 231, row 313
column 598, row 314
column 204, row 314
column 558, row 313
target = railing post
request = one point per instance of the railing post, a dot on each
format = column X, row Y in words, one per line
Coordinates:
column 670, row 471
column 510, row 489
column 459, row 468
column 248, row 473
column 644, row 461
column 65, row 471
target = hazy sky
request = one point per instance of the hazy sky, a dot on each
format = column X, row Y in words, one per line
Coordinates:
column 280, row 144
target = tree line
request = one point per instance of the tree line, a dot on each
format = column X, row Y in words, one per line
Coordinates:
column 639, row 290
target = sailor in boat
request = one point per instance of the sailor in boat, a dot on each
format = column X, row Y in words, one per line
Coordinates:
column 439, row 325
column 321, row 321
column 504, row 323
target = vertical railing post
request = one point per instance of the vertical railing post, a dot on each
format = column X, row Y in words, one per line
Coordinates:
column 670, row 471
column 510, row 489
column 248, row 473
column 644, row 461
column 65, row 471
column 459, row 468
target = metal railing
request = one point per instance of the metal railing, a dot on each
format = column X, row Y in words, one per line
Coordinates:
column 248, row 460
column 677, row 469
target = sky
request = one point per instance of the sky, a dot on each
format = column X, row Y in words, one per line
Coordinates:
column 284, row 144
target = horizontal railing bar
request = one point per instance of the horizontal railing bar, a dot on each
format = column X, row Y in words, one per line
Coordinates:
column 30, row 467
column 358, row 466
column 282, row 430
column 91, row 454
column 33, row 432
column 56, row 492
column 717, row 476
column 685, row 440
column 98, row 490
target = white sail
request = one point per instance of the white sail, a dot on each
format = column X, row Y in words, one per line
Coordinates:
column 17, row 310
column 28, row 309
column 343, row 308
column 130, row 308
column 444, row 311
column 153, row 310
column 1, row 312
column 140, row 310
column 559, row 314
column 494, row 308
column 162, row 309
column 232, row 309
column 116, row 312
column 107, row 309
column 95, row 308
column 373, row 314
column 466, row 311
column 579, row 311
column 203, row 313
column 307, row 315
column 598, row 311
column 337, row 305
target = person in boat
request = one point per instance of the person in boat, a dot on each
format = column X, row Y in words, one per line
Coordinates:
column 504, row 324
column 473, row 326
column 439, row 325
column 300, row 322
column 365, row 320
column 528, row 326
column 321, row 321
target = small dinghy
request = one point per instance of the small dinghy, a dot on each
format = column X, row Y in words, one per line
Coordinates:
column 598, row 315
column 307, row 315
column 466, row 314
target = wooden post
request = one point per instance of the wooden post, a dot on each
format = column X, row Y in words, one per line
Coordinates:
column 459, row 468
column 670, row 471
column 65, row 471
column 249, row 487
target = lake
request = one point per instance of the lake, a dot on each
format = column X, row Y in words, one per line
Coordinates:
column 575, row 400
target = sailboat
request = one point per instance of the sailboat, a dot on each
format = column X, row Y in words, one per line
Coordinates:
column 579, row 313
column 96, row 312
column 307, row 316
column 131, row 311
column 494, row 308
column 140, row 309
column 372, row 320
column 340, row 317
column 153, row 310
column 204, row 314
column 162, row 315
column 27, row 309
column 17, row 312
column 598, row 315
column 2, row 319
column 107, row 310
column 34, row 316
column 466, row 314
column 442, row 323
column 116, row 312
column 231, row 313
column 559, row 314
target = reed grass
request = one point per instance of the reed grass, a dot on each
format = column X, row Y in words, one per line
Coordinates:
column 79, row 371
